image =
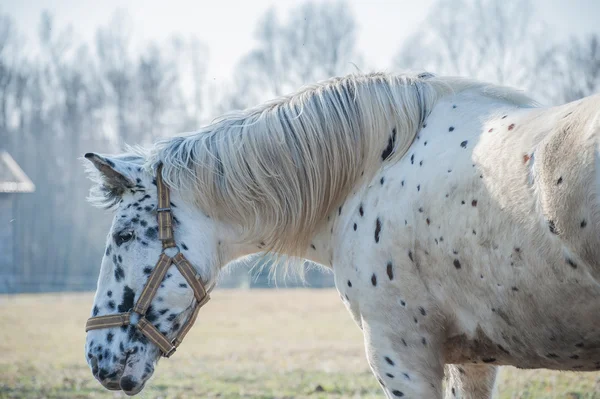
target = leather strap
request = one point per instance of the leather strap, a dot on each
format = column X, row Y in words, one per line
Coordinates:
column 112, row 320
column 152, row 285
column 165, row 218
column 156, row 337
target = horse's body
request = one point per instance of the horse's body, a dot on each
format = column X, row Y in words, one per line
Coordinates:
column 467, row 234
column 492, row 233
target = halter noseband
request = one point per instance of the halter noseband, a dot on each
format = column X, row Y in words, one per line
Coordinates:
column 165, row 234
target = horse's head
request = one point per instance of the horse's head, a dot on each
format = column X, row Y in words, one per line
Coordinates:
column 121, row 357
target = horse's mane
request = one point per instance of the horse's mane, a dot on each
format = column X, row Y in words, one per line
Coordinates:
column 277, row 170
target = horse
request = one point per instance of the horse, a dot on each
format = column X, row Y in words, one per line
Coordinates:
column 461, row 220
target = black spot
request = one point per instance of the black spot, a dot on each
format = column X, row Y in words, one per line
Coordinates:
column 390, row 146
column 120, row 259
column 390, row 271
column 147, row 270
column 172, row 317
column 422, row 310
column 183, row 285
column 374, row 280
column 119, row 273
column 108, row 249
column 152, row 233
column 571, row 263
column 390, row 361
column 552, row 227
column 163, row 311
column 552, row 355
column 147, row 208
column 397, row 393
column 389, row 375
column 504, row 116
column 127, row 302
column 313, row 246
column 412, row 159
column 382, row 180
column 175, row 327
column 474, row 202
column 402, row 303
column 488, row 359
column 377, row 229
column 418, row 187
column 410, row 256
column 361, row 211
column 457, row 263
column 109, row 293
column 109, row 337
column 424, row 341
column 404, row 342
column 451, row 128
column 559, row 181
column 349, row 284
column 464, row 144
column 95, row 311
column 583, row 223
column 355, row 226
column 111, row 304
column 185, row 246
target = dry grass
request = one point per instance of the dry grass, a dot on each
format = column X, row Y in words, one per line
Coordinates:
column 260, row 344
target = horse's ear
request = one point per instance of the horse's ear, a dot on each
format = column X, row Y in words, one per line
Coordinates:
column 113, row 172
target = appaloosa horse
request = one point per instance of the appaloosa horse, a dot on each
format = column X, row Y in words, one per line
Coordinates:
column 461, row 221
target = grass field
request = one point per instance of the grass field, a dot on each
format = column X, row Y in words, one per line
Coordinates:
column 253, row 344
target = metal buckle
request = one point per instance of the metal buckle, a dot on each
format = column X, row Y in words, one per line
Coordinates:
column 170, row 352
column 163, row 209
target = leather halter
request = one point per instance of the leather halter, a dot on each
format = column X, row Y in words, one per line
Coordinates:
column 165, row 234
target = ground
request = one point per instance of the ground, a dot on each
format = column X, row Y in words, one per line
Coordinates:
column 294, row 343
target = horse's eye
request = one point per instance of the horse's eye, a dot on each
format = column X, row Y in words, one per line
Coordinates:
column 123, row 236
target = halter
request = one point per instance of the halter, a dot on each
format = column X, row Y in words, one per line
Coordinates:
column 165, row 234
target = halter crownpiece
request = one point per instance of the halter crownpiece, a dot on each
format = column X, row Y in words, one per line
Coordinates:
column 165, row 234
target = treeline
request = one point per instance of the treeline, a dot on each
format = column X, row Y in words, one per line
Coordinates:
column 67, row 97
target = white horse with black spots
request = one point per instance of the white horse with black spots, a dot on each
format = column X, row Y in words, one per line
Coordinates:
column 461, row 221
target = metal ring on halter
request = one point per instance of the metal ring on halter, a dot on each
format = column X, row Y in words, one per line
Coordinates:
column 173, row 247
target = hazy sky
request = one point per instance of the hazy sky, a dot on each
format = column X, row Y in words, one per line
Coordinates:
column 226, row 26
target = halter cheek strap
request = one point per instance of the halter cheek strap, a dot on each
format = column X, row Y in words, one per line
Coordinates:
column 165, row 234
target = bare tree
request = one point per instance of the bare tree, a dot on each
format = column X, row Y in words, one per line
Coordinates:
column 494, row 40
column 315, row 42
column 116, row 65
column 574, row 70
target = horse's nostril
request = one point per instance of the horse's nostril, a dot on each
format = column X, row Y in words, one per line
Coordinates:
column 103, row 374
column 128, row 383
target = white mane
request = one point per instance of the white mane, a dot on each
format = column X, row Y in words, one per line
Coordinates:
column 277, row 170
